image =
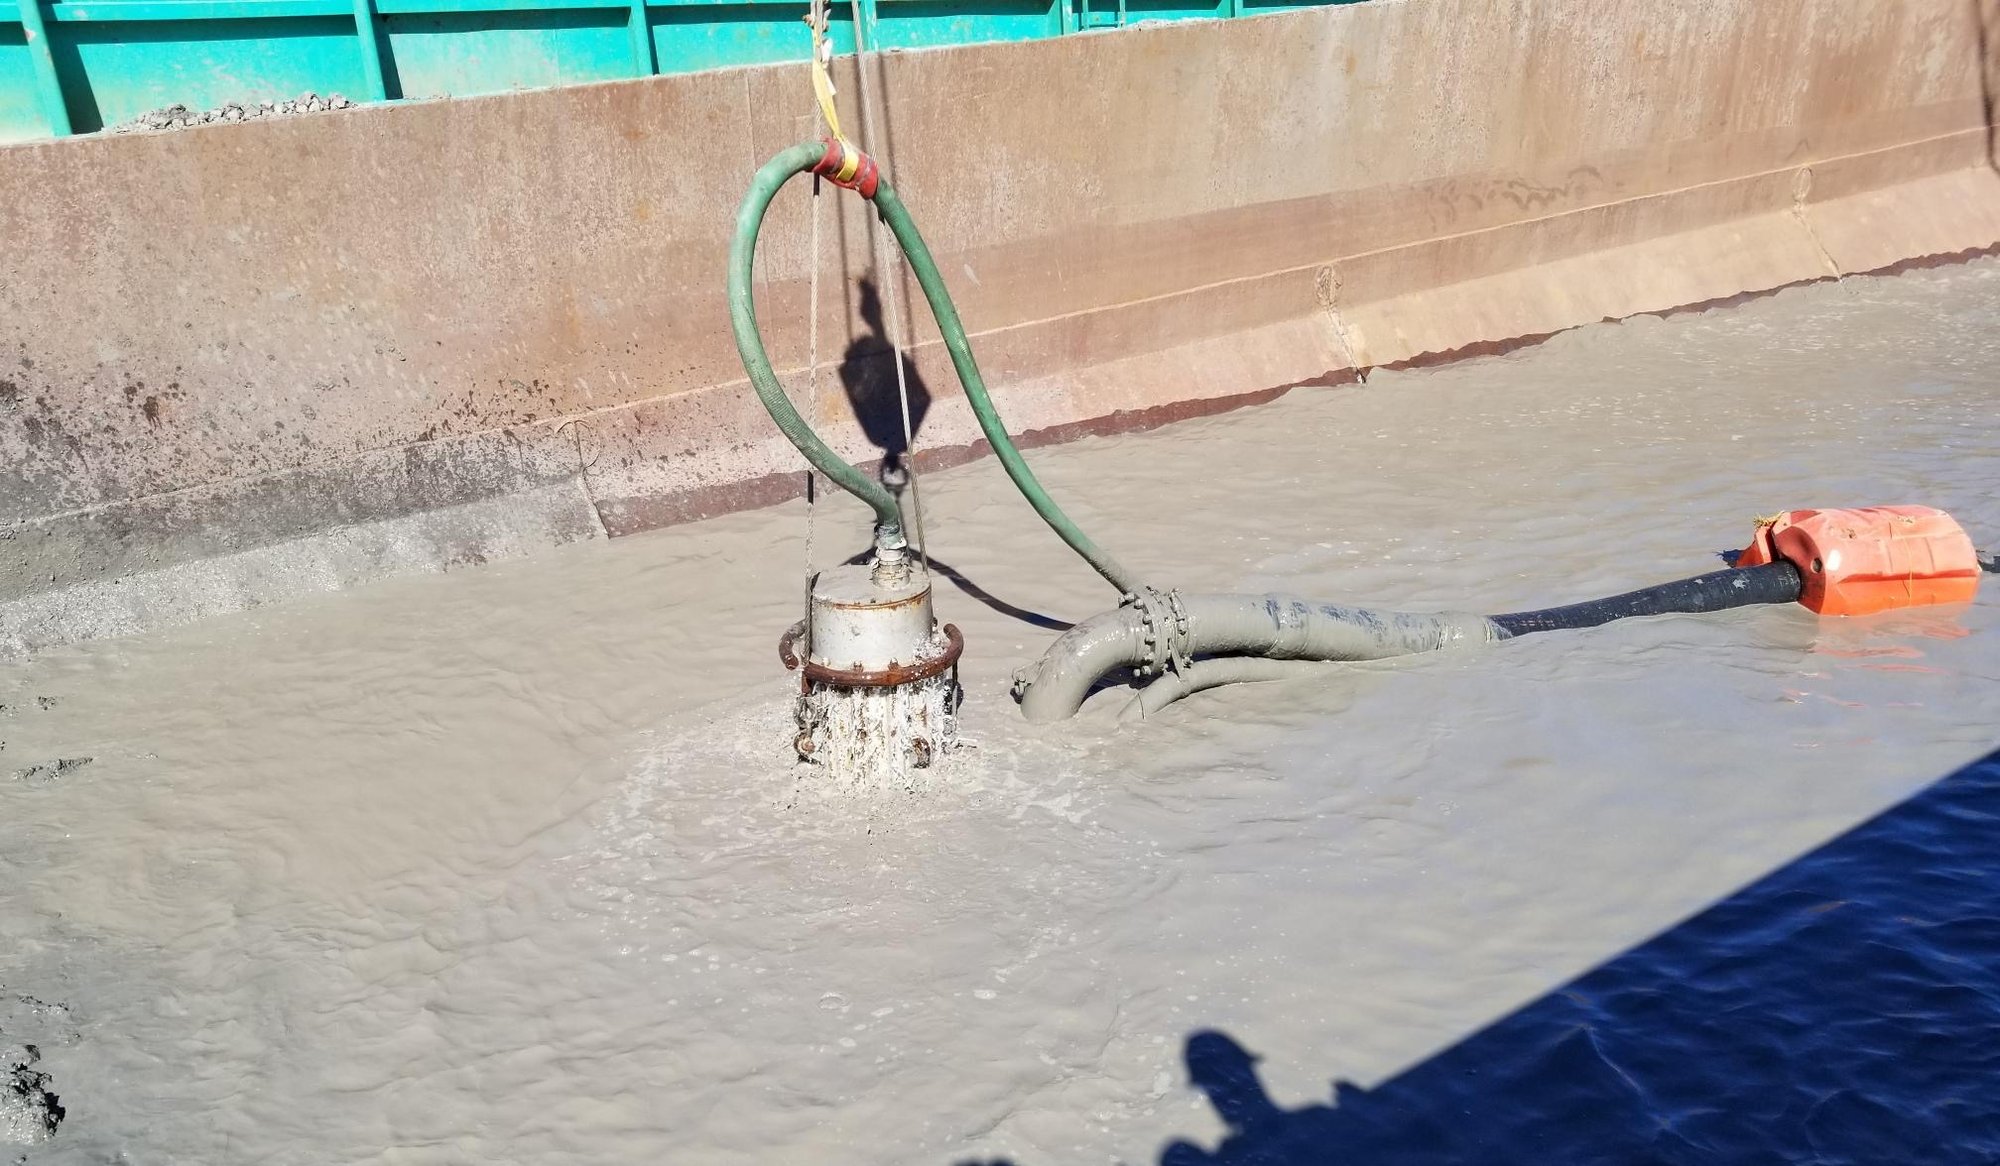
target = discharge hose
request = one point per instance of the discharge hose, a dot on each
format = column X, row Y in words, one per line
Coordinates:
column 818, row 156
column 1777, row 582
column 1241, row 638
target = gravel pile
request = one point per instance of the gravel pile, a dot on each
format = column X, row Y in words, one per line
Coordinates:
column 178, row 117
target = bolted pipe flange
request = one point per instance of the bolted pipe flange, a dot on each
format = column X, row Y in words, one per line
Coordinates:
column 812, row 670
column 1164, row 629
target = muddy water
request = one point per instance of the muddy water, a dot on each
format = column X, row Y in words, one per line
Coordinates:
column 509, row 865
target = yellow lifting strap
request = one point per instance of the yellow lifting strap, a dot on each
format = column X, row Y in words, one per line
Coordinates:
column 822, row 80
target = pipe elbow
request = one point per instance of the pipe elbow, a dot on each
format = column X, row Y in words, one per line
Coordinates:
column 1054, row 687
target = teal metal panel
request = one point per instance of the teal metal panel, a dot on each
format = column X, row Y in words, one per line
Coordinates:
column 691, row 37
column 113, row 72
column 459, row 7
column 21, row 117
column 459, row 54
column 41, row 58
column 368, row 39
column 922, row 24
column 101, row 62
column 162, row 10
column 1138, row 10
column 639, row 34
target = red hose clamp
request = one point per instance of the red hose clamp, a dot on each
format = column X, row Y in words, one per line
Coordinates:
column 844, row 165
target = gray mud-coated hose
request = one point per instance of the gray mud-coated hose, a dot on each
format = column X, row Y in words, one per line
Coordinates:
column 1202, row 675
column 1273, row 627
column 1248, row 637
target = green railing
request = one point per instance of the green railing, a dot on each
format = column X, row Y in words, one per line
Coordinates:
column 76, row 66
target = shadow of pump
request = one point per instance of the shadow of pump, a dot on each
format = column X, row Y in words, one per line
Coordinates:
column 868, row 374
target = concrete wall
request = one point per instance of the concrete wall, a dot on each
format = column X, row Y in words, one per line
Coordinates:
column 241, row 361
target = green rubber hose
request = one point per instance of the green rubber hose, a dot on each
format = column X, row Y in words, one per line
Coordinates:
column 743, row 318
column 750, row 345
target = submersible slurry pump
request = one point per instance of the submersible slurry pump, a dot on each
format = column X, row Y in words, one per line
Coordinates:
column 878, row 695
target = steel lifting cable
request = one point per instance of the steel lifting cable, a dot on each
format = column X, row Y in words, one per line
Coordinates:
column 891, row 290
column 816, row 20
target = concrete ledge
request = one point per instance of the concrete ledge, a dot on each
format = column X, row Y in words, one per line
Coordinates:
column 1874, row 230
column 1543, row 275
column 328, row 560
column 159, row 531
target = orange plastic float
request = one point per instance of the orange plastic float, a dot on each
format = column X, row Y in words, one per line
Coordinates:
column 1876, row 558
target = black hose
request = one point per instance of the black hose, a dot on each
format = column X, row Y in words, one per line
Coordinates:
column 1777, row 582
column 1236, row 638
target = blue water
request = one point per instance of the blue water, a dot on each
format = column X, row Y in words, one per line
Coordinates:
column 1845, row 1009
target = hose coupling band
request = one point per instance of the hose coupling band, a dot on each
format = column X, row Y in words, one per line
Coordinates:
column 844, row 164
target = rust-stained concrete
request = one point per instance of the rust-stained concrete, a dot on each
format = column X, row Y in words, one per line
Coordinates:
column 218, row 343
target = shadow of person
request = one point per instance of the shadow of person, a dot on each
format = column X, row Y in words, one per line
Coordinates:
column 1751, row 1033
column 1259, row 1132
column 868, row 374
column 1227, row 1073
